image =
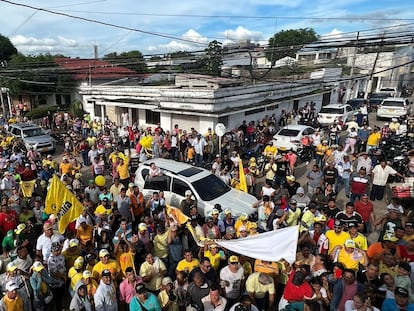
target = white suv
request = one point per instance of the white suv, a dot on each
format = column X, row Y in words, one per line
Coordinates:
column 393, row 107
column 332, row 112
column 206, row 188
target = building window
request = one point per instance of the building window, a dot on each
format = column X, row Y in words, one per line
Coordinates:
column 250, row 112
column 152, row 117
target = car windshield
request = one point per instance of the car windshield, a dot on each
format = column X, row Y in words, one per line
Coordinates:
column 328, row 110
column 210, row 187
column 288, row 132
column 392, row 103
column 375, row 96
column 33, row 132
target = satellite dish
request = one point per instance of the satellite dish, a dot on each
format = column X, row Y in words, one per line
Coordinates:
column 220, row 129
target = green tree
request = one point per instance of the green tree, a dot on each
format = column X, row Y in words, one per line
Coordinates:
column 213, row 58
column 288, row 42
column 7, row 49
column 133, row 60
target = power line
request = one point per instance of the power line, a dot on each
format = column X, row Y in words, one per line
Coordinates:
column 104, row 23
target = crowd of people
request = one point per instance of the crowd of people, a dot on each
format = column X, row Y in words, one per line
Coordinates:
column 125, row 252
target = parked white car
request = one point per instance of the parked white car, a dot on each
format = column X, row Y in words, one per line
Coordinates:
column 289, row 137
column 332, row 112
column 206, row 188
column 393, row 107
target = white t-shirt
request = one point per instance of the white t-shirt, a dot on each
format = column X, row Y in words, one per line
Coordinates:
column 233, row 290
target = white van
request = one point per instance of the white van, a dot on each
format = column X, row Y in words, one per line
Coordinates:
column 206, row 188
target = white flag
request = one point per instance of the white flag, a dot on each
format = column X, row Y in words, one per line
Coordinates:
column 268, row 246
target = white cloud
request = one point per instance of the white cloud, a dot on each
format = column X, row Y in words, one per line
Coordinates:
column 193, row 35
column 333, row 34
column 241, row 33
column 68, row 42
column 20, row 40
column 200, row 43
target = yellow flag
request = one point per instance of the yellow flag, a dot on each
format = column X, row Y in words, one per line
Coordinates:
column 63, row 203
column 27, row 187
column 243, row 184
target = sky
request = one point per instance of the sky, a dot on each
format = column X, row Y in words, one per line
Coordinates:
column 164, row 26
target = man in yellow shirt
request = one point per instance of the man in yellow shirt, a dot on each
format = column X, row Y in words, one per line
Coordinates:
column 65, row 167
column 152, row 272
column 359, row 239
column 188, row 263
column 270, row 151
column 336, row 236
column 349, row 255
column 258, row 285
column 373, row 139
column 123, row 170
column 105, row 263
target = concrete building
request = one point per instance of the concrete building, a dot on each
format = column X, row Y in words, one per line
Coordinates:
column 200, row 101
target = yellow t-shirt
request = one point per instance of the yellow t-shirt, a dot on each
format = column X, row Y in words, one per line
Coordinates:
column 154, row 269
column 254, row 286
column 101, row 210
column 350, row 260
column 74, row 276
column 184, row 265
column 214, row 259
column 160, row 245
column 126, row 260
column 336, row 239
column 112, row 266
column 66, row 168
column 374, row 139
column 164, row 299
column 270, row 151
column 361, row 242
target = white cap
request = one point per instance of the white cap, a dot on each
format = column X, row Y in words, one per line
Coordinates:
column 10, row 286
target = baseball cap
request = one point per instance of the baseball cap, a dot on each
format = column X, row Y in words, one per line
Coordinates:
column 52, row 217
column 167, row 280
column 214, row 212
column 243, row 216
column 20, row 228
column 390, row 238
column 352, row 225
column 78, row 262
column 140, row 288
column 363, row 168
column 350, row 243
column 188, row 192
column 401, row 292
column 10, row 286
column 142, row 227
column 364, row 195
column 82, row 219
column 106, row 272
column 213, row 246
column 86, row 274
column 11, row 266
column 227, row 211
column 103, row 253
column 131, row 185
column 233, row 259
column 243, row 228
column 337, row 223
column 73, row 243
column 252, row 225
column 300, row 191
column 38, row 266
column 409, row 224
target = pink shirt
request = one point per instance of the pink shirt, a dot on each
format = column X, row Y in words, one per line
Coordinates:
column 127, row 290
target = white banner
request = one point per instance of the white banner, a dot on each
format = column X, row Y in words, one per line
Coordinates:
column 269, row 246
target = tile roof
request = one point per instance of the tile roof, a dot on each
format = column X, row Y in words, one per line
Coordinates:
column 95, row 69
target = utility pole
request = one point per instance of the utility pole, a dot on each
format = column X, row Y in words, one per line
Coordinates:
column 351, row 74
column 369, row 84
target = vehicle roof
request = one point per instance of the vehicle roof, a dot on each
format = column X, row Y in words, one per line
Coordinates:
column 395, row 99
column 296, row 127
column 24, row 125
column 190, row 172
column 335, row 106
